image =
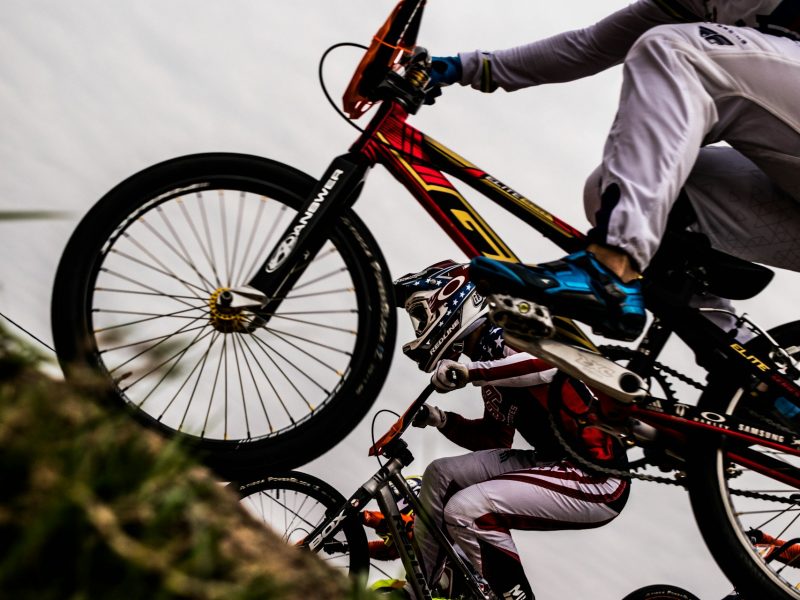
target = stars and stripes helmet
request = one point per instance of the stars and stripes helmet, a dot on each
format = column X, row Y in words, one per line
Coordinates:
column 444, row 308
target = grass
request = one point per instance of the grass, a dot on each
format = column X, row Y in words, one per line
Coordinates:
column 94, row 506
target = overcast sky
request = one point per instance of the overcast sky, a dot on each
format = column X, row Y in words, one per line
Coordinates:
column 92, row 91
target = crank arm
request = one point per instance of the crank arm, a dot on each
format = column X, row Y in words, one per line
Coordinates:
column 593, row 369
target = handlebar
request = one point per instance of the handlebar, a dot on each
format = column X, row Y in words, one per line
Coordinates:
column 391, row 46
column 403, row 423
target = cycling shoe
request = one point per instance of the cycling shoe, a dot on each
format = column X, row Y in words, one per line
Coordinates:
column 578, row 287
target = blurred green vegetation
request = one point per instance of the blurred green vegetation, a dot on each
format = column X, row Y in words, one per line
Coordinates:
column 94, row 506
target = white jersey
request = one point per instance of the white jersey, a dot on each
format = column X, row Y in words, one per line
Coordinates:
column 695, row 73
column 582, row 52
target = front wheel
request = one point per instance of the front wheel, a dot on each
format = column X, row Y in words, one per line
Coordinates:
column 137, row 308
column 746, row 499
column 293, row 504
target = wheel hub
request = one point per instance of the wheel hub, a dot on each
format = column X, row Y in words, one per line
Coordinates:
column 225, row 318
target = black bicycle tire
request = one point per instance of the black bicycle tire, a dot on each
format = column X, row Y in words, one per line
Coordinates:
column 717, row 524
column 374, row 345
column 660, row 591
column 326, row 495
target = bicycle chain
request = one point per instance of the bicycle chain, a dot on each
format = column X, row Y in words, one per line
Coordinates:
column 657, row 366
column 628, row 473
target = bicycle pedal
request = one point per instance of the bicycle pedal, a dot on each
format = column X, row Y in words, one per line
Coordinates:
column 521, row 318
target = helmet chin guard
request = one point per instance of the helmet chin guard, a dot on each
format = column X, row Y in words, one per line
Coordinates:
column 443, row 307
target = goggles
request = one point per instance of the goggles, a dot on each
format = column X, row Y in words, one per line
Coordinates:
column 419, row 311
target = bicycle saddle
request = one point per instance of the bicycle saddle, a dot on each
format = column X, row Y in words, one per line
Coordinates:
column 688, row 255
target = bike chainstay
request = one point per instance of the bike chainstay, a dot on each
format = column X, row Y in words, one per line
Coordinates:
column 628, row 473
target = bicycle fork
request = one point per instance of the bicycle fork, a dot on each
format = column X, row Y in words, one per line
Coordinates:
column 338, row 188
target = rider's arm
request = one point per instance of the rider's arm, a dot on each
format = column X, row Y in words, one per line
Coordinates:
column 564, row 57
column 477, row 434
column 515, row 370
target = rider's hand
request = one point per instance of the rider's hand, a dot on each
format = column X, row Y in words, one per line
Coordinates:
column 449, row 375
column 430, row 416
column 445, row 70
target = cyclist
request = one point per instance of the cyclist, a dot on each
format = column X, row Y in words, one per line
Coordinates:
column 695, row 73
column 480, row 496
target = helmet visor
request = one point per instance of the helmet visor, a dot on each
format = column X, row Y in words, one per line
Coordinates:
column 420, row 314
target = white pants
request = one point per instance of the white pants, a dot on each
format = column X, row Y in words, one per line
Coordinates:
column 686, row 86
column 481, row 495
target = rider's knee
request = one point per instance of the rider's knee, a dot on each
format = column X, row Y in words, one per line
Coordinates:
column 436, row 477
column 464, row 507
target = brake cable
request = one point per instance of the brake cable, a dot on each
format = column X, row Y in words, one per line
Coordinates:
column 322, row 80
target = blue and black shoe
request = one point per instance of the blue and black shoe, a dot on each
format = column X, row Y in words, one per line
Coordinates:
column 577, row 287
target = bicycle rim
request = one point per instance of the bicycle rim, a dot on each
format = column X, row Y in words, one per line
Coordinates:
column 294, row 504
column 150, row 273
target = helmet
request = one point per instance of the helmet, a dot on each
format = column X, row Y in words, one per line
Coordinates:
column 444, row 308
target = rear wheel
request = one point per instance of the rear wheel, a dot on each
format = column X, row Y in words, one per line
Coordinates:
column 137, row 305
column 293, row 504
column 746, row 499
column 660, row 591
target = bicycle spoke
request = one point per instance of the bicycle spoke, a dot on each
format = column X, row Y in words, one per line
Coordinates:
column 349, row 311
column 293, row 296
column 241, row 387
column 147, row 287
column 272, row 387
column 187, row 217
column 279, row 333
column 256, row 387
column 211, row 258
column 239, row 218
column 169, row 274
column 319, row 278
column 178, row 356
column 140, row 321
column 302, row 372
column 152, row 339
column 183, row 385
column 183, row 329
column 155, row 368
column 223, row 222
column 186, row 255
column 238, row 230
column 264, row 347
column 183, row 255
column 204, row 360
column 256, row 227
column 213, row 393
column 225, row 378
column 296, row 514
column 178, row 314
column 261, row 254
column 140, row 293
column 320, row 325
column 309, row 355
